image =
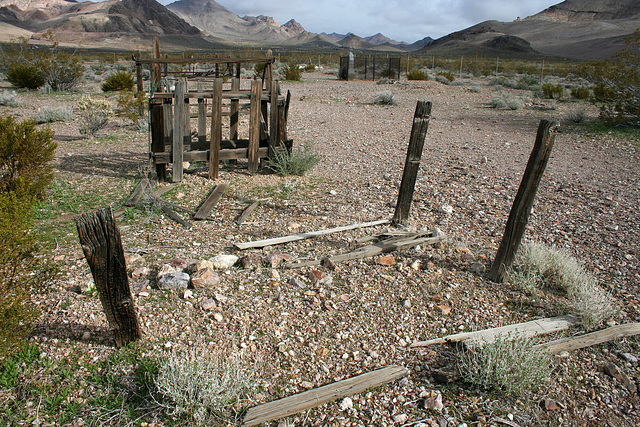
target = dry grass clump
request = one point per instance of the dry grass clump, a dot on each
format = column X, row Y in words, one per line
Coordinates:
column 540, row 265
column 53, row 114
column 577, row 114
column 385, row 98
column 505, row 100
column 510, row 364
column 297, row 162
column 9, row 98
column 201, row 390
column 94, row 115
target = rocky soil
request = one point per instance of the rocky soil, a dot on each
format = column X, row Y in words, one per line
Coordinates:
column 302, row 328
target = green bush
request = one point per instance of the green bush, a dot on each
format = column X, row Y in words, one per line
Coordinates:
column 132, row 107
column 292, row 72
column 417, row 74
column 551, row 91
column 581, row 92
column 62, row 71
column 447, row 75
column 25, row 172
column 309, row 68
column 26, row 76
column 389, row 73
column 120, row 80
column 298, row 162
column 384, row 98
column 94, row 115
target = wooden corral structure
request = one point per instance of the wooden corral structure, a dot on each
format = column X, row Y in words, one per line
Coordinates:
column 189, row 98
column 366, row 67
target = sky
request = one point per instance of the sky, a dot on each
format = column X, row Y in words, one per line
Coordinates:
column 400, row 20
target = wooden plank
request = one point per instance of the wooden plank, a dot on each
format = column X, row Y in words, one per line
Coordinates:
column 210, row 202
column 234, row 114
column 202, row 117
column 216, row 129
column 203, row 156
column 522, row 204
column 163, row 190
column 525, row 330
column 273, row 114
column 246, row 212
column 156, row 119
column 242, row 94
column 254, row 126
column 301, row 236
column 174, row 216
column 593, row 338
column 143, row 187
column 321, row 395
column 421, row 119
column 372, row 250
column 203, row 60
column 178, row 129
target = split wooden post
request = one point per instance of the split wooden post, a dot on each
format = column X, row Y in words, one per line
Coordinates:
column 254, row 125
column 216, row 129
column 234, row 111
column 521, row 209
column 156, row 72
column 102, row 246
column 273, row 116
column 156, row 117
column 178, row 130
column 212, row 199
column 421, row 120
column 202, row 118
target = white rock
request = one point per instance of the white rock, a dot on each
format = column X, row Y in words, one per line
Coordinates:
column 400, row 418
column 446, row 209
column 164, row 270
column 346, row 403
column 222, row 262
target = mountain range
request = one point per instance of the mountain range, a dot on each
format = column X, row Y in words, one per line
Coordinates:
column 582, row 29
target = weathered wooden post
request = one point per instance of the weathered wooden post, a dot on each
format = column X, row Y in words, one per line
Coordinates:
column 156, row 117
column 216, row 129
column 419, row 129
column 202, row 123
column 234, row 110
column 178, row 130
column 521, row 209
column 254, row 125
column 102, row 247
column 155, row 67
column 273, row 115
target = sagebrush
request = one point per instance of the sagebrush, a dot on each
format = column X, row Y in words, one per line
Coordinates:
column 53, row 114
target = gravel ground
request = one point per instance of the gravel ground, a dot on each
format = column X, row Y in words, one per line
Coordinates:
column 298, row 332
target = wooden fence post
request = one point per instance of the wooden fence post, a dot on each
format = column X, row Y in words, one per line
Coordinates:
column 216, row 129
column 156, row 117
column 412, row 164
column 521, row 209
column 273, row 115
column 254, row 125
column 235, row 109
column 102, row 247
column 202, row 118
column 178, row 130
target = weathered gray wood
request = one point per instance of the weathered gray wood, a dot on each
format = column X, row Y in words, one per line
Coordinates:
column 521, row 209
column 216, row 129
column 373, row 250
column 321, row 395
column 174, row 216
column 421, row 120
column 160, row 191
column 593, row 338
column 254, row 126
column 212, row 199
column 102, row 246
column 178, row 130
column 143, row 188
column 156, row 119
column 203, row 156
column 246, row 212
column 234, row 111
column 273, row 114
column 301, row 236
column 202, row 116
column 524, row 330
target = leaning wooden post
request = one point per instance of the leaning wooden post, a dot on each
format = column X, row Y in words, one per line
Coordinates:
column 273, row 115
column 521, row 209
column 412, row 164
column 216, row 129
column 178, row 130
column 254, row 125
column 102, row 247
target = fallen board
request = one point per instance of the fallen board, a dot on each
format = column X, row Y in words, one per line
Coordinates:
column 212, row 200
column 593, row 338
column 245, row 214
column 321, row 395
column 523, row 330
column 301, row 236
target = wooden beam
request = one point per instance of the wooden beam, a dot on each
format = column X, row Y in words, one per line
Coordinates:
column 301, row 236
column 593, row 338
column 246, row 212
column 178, row 129
column 254, row 126
column 212, row 199
column 203, row 156
column 524, row 330
column 421, row 119
column 321, row 395
column 216, row 129
column 234, row 111
column 174, row 216
column 522, row 204
column 202, row 117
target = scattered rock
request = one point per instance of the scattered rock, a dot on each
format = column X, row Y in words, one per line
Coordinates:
column 251, row 261
column 315, row 276
column 172, row 281
column 346, row 404
column 549, row 405
column 180, row 264
column 328, row 264
column 297, row 282
column 220, row 298
column 276, row 258
column 199, row 265
column 140, row 272
column 477, row 267
column 224, row 262
column 629, row 358
column 187, row 294
column 446, row 209
column 164, row 270
column 205, row 278
column 208, row 304
column 617, row 373
column 386, row 260
column 131, row 259
column 444, row 309
column 434, row 402
column 273, row 273
column 306, row 384
column 218, row 317
column 400, row 418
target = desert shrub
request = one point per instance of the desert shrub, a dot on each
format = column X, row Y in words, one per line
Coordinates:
column 94, row 114
column 527, row 81
column 9, row 98
column 417, row 74
column 384, row 81
column 506, row 100
column 53, row 114
column 25, row 172
column 474, row 88
column 259, row 67
column 309, row 68
column 384, row 98
column 292, row 72
column 447, row 75
column 200, row 390
column 551, row 91
column 120, row 80
column 27, row 76
column 617, row 88
column 510, row 364
column 545, row 266
column 131, row 106
column 577, row 114
column 62, row 71
column 389, row 73
column 297, row 162
column 581, row 92
column 443, row 80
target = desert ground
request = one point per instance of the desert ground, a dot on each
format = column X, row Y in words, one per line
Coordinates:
column 295, row 333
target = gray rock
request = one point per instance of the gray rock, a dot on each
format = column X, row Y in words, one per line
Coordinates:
column 208, row 304
column 294, row 281
column 172, row 281
column 223, row 262
column 629, row 358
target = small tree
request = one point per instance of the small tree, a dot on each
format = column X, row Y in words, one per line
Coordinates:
column 617, row 88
